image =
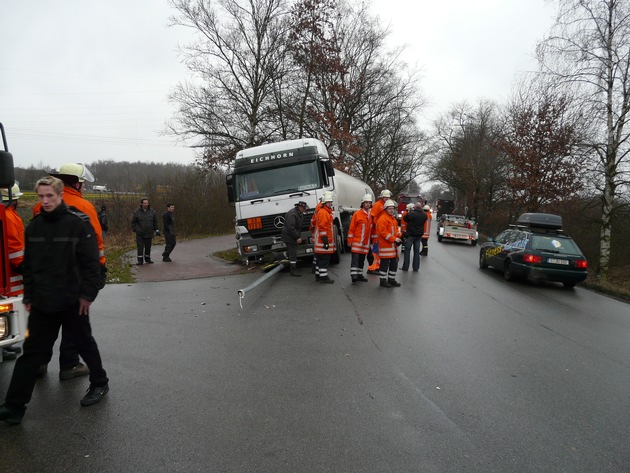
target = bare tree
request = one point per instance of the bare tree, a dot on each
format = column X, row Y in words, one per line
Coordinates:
column 467, row 160
column 540, row 139
column 588, row 49
column 235, row 61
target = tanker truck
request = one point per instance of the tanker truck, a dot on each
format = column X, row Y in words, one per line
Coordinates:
column 270, row 179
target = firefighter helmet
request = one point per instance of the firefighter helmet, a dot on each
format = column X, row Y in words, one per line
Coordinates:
column 426, row 207
column 410, row 207
column 385, row 193
column 328, row 197
column 389, row 203
column 367, row 198
column 78, row 170
column 15, row 192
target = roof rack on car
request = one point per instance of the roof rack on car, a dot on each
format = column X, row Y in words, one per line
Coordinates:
column 540, row 220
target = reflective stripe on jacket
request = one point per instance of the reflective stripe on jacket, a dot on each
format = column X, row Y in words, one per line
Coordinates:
column 387, row 230
column 360, row 231
column 15, row 247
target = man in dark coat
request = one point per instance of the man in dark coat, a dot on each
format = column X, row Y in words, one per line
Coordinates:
column 62, row 277
column 415, row 229
column 144, row 225
column 168, row 221
column 292, row 232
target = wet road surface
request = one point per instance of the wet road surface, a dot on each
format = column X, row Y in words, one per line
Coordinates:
column 455, row 371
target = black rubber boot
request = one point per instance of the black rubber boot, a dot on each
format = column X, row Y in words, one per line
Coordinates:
column 384, row 283
column 393, row 283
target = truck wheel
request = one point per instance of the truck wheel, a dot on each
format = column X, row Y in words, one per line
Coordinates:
column 335, row 258
column 483, row 263
column 473, row 242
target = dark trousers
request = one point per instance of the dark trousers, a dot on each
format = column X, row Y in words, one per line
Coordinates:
column 43, row 328
column 357, row 261
column 291, row 252
column 68, row 353
column 412, row 242
column 144, row 248
column 321, row 267
column 425, row 246
column 168, row 248
column 388, row 268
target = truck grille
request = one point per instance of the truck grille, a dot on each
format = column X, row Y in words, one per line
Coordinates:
column 269, row 227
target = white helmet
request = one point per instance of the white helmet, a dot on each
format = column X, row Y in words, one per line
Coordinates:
column 410, row 207
column 367, row 198
column 385, row 193
column 79, row 170
column 426, row 207
column 15, row 192
column 390, row 203
column 328, row 197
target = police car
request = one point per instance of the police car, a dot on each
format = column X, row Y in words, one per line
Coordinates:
column 537, row 249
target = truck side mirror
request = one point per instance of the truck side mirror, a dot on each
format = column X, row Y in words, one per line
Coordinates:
column 330, row 170
column 229, row 181
column 7, row 174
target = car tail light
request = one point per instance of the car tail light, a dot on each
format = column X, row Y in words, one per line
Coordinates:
column 581, row 264
column 529, row 258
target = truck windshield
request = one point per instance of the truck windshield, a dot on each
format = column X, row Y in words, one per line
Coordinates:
column 298, row 177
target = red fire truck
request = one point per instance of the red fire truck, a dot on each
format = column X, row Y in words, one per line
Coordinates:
column 12, row 313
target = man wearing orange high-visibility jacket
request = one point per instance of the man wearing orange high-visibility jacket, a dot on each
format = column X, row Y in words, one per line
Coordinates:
column 377, row 210
column 359, row 238
column 15, row 249
column 388, row 243
column 427, row 230
column 324, row 237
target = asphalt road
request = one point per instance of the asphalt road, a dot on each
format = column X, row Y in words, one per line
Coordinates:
column 455, row 371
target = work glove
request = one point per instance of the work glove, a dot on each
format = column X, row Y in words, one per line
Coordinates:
column 103, row 277
column 398, row 242
column 325, row 240
column 157, row 232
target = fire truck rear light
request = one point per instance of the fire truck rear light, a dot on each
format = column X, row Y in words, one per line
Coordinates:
column 250, row 249
column 581, row 263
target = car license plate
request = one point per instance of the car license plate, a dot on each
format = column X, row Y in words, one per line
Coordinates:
column 275, row 246
column 558, row 261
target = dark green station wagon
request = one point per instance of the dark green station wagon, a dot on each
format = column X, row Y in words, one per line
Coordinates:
column 536, row 248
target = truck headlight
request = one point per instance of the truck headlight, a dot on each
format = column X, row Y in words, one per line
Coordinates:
column 4, row 327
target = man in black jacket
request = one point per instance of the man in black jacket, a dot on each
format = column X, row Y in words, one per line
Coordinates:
column 62, row 277
column 168, row 221
column 144, row 225
column 415, row 229
column 291, row 233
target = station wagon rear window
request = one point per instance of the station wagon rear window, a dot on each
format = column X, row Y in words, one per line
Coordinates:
column 555, row 244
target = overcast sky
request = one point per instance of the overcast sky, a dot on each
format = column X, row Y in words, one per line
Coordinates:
column 88, row 80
